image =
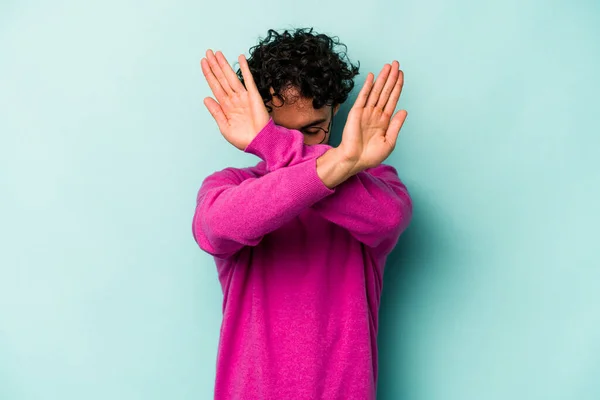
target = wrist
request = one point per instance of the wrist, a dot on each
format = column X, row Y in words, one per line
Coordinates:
column 333, row 167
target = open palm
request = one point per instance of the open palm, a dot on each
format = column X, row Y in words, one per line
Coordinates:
column 239, row 111
column 371, row 129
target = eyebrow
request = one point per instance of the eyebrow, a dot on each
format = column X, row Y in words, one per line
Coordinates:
column 315, row 122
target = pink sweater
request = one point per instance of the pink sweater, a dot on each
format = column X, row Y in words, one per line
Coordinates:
column 301, row 269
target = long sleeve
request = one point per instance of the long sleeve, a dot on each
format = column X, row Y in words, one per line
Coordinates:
column 280, row 147
column 373, row 205
column 233, row 212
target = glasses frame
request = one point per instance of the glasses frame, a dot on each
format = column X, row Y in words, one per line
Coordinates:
column 328, row 127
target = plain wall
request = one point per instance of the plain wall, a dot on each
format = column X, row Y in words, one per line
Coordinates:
column 492, row 293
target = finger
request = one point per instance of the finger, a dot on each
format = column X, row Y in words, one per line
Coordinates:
column 248, row 79
column 216, row 69
column 230, row 75
column 390, row 106
column 212, row 80
column 379, row 82
column 361, row 99
column 389, row 85
column 217, row 113
column 391, row 135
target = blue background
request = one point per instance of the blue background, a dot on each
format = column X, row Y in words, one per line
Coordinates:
column 493, row 292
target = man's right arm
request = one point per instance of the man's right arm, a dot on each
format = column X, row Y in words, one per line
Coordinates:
column 233, row 212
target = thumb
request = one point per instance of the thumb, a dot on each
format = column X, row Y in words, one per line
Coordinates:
column 217, row 113
column 391, row 135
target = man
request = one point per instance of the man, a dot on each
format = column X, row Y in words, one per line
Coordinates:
column 300, row 240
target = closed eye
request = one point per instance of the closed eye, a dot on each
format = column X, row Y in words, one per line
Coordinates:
column 313, row 130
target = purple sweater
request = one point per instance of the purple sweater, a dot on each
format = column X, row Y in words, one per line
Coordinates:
column 301, row 269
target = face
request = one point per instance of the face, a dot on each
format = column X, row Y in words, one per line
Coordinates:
column 298, row 113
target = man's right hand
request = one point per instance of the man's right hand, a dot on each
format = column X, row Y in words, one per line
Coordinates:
column 239, row 111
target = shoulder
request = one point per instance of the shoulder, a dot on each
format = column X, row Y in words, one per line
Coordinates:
column 236, row 175
column 383, row 171
column 387, row 174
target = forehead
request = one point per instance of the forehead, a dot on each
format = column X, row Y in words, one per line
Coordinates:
column 297, row 110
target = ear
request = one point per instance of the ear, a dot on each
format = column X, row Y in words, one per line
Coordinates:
column 336, row 109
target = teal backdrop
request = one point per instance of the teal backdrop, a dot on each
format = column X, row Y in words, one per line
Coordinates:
column 492, row 294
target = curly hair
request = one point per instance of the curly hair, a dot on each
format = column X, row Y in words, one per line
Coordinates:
column 304, row 60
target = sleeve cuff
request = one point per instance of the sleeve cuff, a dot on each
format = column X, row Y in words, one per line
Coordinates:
column 262, row 142
column 313, row 180
column 276, row 145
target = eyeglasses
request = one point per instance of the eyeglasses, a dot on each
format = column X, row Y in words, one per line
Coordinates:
column 316, row 130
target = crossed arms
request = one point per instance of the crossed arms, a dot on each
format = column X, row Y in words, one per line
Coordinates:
column 347, row 185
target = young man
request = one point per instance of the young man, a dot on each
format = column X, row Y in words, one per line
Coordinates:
column 300, row 240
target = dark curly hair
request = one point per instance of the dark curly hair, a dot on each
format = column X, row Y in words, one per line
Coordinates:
column 304, row 60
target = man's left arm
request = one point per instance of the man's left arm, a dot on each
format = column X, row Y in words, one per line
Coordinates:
column 373, row 205
column 370, row 200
